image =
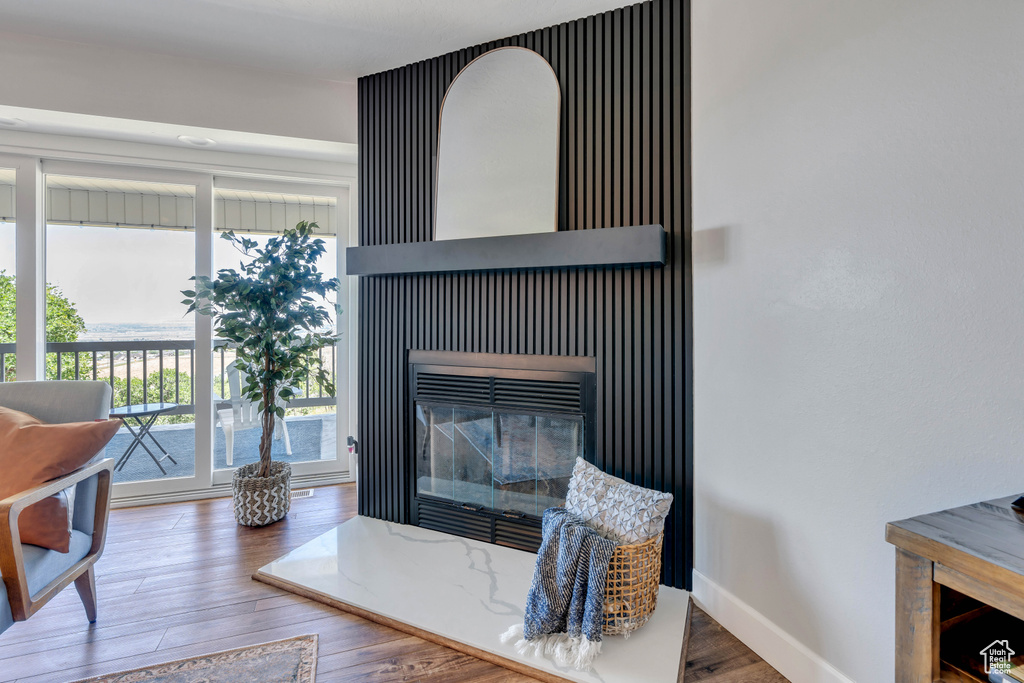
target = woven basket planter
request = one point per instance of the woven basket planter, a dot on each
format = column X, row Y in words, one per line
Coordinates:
column 631, row 589
column 260, row 501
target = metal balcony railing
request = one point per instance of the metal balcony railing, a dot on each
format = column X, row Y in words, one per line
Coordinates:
column 163, row 366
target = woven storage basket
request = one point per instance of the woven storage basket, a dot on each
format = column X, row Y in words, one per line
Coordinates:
column 259, row 501
column 631, row 589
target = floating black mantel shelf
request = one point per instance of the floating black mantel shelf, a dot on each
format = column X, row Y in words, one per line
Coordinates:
column 637, row 245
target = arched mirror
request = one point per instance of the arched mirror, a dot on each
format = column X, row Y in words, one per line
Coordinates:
column 497, row 157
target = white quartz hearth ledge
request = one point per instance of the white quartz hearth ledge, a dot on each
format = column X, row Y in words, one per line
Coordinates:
column 465, row 591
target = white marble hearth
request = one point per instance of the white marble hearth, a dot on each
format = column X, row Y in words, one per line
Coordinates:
column 465, row 591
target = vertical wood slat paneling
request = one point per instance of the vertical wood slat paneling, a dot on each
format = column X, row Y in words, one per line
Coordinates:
column 682, row 188
column 620, row 164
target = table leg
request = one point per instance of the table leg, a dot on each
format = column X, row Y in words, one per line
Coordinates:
column 143, row 430
column 147, row 431
column 158, row 444
column 123, row 460
column 917, row 620
column 163, row 450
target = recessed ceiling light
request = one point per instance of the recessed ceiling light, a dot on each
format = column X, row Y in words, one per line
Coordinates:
column 196, row 141
column 11, row 123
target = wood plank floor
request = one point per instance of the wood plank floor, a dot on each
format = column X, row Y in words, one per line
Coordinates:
column 715, row 656
column 174, row 581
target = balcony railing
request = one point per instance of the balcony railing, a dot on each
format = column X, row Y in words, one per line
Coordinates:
column 125, row 360
column 7, row 361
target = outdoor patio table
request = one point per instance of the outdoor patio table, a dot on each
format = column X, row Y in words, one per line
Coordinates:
column 144, row 414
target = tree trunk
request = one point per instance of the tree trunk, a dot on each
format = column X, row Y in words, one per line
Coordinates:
column 267, row 417
column 267, row 438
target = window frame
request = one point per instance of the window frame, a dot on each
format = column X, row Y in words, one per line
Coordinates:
column 206, row 176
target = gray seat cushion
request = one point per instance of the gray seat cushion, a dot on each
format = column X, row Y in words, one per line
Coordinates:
column 6, row 620
column 41, row 567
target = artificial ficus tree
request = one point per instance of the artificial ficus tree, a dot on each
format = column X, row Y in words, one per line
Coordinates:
column 272, row 311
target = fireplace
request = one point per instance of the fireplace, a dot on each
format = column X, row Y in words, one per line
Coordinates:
column 495, row 439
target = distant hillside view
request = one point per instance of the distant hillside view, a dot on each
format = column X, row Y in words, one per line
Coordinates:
column 88, row 305
column 179, row 329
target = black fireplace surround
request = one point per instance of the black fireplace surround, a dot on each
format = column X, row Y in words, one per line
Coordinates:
column 495, row 439
column 623, row 75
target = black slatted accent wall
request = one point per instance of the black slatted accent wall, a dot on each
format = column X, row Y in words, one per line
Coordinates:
column 621, row 163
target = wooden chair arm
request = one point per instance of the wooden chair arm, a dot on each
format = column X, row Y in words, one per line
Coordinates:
column 19, row 501
column 12, row 560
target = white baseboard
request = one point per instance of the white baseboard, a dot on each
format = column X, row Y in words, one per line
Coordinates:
column 790, row 657
column 223, row 491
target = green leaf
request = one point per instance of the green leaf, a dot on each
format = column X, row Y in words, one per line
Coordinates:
column 273, row 309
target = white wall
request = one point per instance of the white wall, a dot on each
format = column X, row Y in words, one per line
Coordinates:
column 41, row 73
column 858, row 302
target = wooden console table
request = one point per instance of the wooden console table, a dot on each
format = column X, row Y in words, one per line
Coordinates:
column 959, row 582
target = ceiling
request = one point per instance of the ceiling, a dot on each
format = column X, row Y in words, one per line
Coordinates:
column 337, row 40
column 169, row 134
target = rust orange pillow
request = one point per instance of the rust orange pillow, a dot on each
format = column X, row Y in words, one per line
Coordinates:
column 33, row 452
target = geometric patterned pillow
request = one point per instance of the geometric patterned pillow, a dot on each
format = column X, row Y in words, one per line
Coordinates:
column 618, row 510
column 587, row 489
column 633, row 514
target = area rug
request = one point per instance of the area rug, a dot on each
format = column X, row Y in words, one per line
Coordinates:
column 282, row 661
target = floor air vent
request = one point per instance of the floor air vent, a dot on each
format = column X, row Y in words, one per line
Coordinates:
column 302, row 493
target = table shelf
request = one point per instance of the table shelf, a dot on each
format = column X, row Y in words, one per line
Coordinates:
column 963, row 640
column 959, row 588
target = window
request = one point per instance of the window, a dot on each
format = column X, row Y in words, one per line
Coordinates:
column 309, row 431
column 8, row 273
column 117, row 246
column 118, row 254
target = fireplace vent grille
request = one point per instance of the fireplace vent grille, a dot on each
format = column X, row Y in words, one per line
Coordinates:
column 453, row 388
column 517, row 535
column 451, row 520
column 501, row 392
column 488, row 526
column 531, row 394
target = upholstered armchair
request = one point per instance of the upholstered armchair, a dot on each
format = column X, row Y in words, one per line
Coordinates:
column 33, row 575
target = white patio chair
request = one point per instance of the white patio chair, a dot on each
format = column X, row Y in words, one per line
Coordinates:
column 243, row 414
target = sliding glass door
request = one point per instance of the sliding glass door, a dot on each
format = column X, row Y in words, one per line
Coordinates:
column 308, row 437
column 8, row 275
column 118, row 254
column 120, row 246
column 107, row 251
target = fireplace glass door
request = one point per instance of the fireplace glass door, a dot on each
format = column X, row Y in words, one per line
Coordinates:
column 498, row 459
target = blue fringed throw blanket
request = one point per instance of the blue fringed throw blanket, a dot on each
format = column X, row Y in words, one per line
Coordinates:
column 565, row 607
